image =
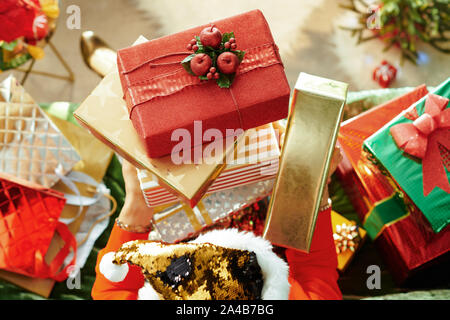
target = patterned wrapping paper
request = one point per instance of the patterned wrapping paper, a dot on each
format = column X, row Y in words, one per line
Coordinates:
column 256, row 159
column 179, row 222
column 31, row 146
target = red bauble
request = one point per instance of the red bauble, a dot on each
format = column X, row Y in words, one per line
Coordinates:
column 384, row 74
column 17, row 18
column 39, row 29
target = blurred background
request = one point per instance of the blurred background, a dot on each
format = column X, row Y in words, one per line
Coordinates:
column 308, row 34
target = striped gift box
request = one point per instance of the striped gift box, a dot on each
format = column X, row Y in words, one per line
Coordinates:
column 255, row 159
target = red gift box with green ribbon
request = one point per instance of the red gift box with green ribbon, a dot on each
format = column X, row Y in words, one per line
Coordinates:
column 401, row 232
column 237, row 81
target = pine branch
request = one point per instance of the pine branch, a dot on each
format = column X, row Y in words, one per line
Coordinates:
column 408, row 22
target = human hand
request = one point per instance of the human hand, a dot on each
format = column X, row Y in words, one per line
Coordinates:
column 335, row 160
column 135, row 211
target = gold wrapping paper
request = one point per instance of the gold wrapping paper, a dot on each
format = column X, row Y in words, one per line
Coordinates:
column 105, row 114
column 315, row 115
column 31, row 146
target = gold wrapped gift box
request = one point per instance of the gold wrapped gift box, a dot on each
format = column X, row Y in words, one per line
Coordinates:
column 315, row 114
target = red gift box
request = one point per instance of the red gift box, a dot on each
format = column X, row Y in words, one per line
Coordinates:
column 162, row 96
column 352, row 134
column 408, row 245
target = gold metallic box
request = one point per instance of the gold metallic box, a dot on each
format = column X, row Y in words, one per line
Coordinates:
column 316, row 110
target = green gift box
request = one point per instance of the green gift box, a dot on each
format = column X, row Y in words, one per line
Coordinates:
column 422, row 168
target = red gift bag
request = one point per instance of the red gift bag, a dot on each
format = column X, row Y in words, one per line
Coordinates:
column 29, row 218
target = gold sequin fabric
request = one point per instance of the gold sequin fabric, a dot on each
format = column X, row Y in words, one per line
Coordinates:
column 189, row 271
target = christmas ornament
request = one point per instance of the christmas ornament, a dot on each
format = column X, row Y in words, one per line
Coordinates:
column 214, row 52
column 384, row 74
column 25, row 26
column 346, row 237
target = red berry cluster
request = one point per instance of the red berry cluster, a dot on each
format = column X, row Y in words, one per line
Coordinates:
column 192, row 45
column 212, row 74
column 230, row 44
column 214, row 57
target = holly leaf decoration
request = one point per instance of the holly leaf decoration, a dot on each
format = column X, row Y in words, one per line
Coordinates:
column 9, row 46
column 227, row 36
column 186, row 63
column 201, row 48
column 225, row 80
column 240, row 54
column 1, row 61
column 213, row 56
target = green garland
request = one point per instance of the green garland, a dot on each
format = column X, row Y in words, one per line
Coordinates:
column 403, row 23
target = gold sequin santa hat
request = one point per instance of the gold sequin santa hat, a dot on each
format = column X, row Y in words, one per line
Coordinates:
column 219, row 265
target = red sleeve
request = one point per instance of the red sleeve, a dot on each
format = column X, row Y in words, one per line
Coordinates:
column 313, row 275
column 103, row 289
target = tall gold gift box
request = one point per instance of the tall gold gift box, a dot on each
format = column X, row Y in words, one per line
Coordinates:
column 316, row 109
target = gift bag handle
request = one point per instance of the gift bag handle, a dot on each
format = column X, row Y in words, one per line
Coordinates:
column 62, row 229
column 70, row 243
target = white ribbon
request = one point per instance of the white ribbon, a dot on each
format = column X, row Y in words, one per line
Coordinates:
column 98, row 204
column 77, row 199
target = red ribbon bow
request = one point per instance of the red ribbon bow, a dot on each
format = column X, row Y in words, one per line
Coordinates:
column 423, row 137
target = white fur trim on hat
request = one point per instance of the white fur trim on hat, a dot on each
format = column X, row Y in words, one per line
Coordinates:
column 111, row 271
column 147, row 292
